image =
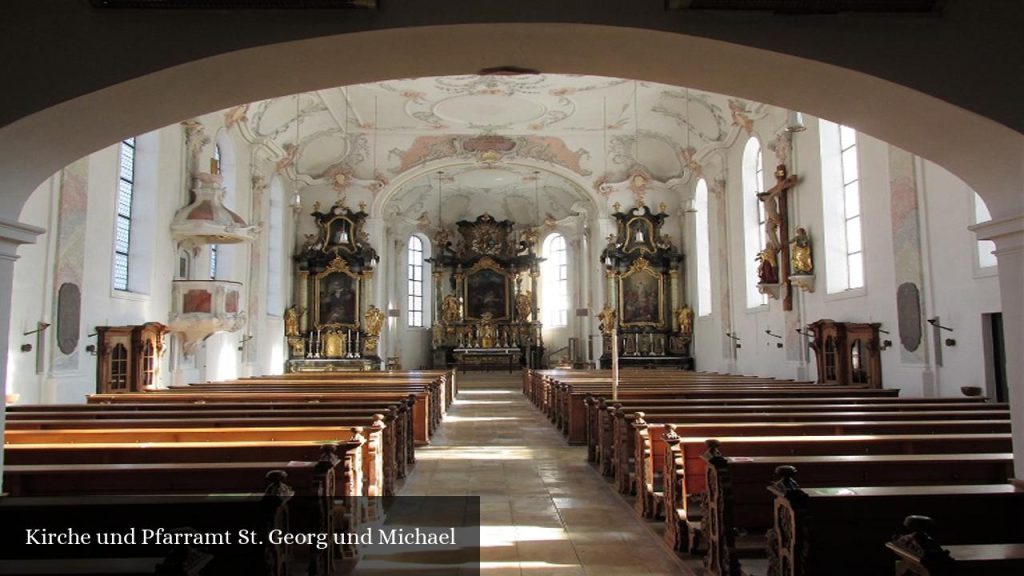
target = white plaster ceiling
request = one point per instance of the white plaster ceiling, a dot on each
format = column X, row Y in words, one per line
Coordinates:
column 586, row 125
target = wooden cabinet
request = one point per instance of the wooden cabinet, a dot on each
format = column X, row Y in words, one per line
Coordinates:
column 847, row 353
column 128, row 357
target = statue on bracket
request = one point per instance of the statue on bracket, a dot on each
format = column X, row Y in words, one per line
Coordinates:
column 802, row 261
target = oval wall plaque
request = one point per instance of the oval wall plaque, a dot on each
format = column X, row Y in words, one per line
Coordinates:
column 69, row 307
column 908, row 306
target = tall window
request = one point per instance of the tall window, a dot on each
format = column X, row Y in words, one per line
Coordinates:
column 123, row 226
column 986, row 259
column 844, row 249
column 415, row 253
column 753, row 217
column 555, row 279
column 213, row 261
column 703, row 249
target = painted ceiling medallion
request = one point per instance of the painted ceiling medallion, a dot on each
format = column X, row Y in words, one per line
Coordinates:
column 488, row 110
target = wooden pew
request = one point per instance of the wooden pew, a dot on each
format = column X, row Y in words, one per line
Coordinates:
column 313, row 484
column 394, row 446
column 843, row 531
column 685, row 470
column 736, row 499
column 919, row 553
column 616, row 437
column 602, row 419
column 369, row 439
column 650, row 445
column 571, row 416
column 206, row 513
column 421, row 416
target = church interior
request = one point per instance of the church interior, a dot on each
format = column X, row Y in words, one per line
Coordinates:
column 475, row 260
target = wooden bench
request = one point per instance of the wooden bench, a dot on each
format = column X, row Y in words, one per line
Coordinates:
column 371, row 476
column 919, row 553
column 422, row 425
column 685, row 470
column 842, row 531
column 650, row 446
column 616, row 439
column 394, row 447
column 312, row 510
column 205, row 514
column 736, row 501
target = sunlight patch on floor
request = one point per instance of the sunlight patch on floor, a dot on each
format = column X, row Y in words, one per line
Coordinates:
column 475, row 453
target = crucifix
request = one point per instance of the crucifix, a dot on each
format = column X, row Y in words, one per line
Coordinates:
column 774, row 258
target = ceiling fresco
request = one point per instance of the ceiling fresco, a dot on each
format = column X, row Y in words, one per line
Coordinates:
column 526, row 147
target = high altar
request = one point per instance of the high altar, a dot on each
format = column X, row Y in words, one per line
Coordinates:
column 486, row 313
column 644, row 308
column 330, row 327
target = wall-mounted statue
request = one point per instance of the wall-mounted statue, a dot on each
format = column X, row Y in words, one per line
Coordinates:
column 801, row 258
column 684, row 316
column 374, row 319
column 524, row 305
column 291, row 320
column 607, row 317
column 450, row 312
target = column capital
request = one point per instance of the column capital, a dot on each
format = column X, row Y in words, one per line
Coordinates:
column 14, row 234
column 1007, row 233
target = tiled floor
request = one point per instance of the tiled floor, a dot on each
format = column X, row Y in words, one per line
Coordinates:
column 544, row 509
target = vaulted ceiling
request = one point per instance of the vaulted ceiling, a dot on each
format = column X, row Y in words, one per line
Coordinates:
column 526, row 147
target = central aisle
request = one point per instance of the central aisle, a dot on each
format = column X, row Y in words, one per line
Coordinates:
column 544, row 509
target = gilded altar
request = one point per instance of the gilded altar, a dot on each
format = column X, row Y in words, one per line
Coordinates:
column 484, row 296
column 330, row 326
column 644, row 312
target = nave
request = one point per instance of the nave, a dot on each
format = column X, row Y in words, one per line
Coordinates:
column 544, row 509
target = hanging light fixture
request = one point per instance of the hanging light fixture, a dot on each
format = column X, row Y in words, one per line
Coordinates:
column 795, row 121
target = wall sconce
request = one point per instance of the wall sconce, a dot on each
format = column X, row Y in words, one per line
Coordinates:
column 241, row 343
column 735, row 339
column 40, row 327
column 769, row 332
column 809, row 335
column 886, row 344
column 91, row 349
column 26, row 347
column 935, row 323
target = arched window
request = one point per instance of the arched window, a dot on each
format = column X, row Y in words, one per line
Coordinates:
column 700, row 204
column 213, row 247
column 415, row 281
column 753, row 217
column 554, row 276
column 986, row 259
column 844, row 250
column 275, row 249
column 123, row 223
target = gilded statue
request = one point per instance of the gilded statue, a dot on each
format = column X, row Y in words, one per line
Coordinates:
column 684, row 316
column 524, row 305
column 291, row 320
column 607, row 317
column 801, row 259
column 450, row 312
column 374, row 319
column 767, row 268
column 487, row 332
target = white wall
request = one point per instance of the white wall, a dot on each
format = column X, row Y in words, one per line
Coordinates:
column 954, row 288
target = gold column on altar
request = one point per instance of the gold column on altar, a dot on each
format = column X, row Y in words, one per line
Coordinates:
column 673, row 281
column 436, row 312
column 301, row 297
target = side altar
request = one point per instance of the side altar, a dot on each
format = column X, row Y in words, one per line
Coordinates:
column 485, row 315
column 330, row 327
column 644, row 310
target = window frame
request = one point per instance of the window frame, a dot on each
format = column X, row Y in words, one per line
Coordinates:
column 123, row 216
column 554, row 280
column 702, row 229
column 415, row 253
